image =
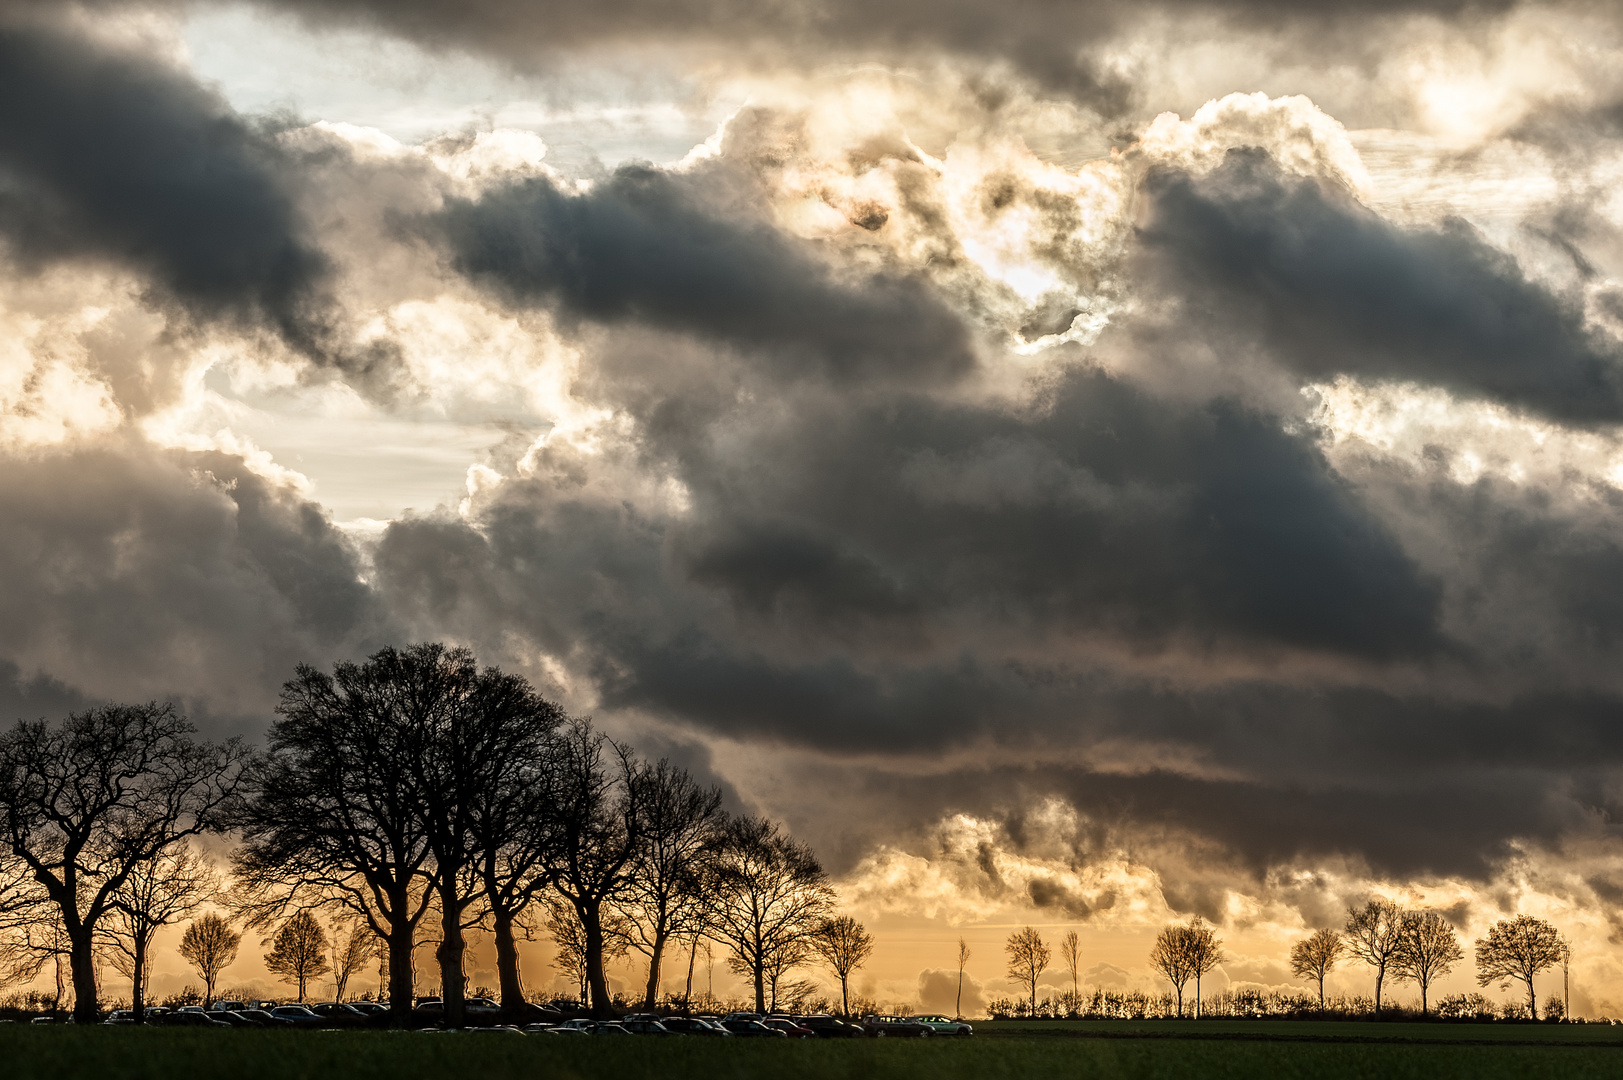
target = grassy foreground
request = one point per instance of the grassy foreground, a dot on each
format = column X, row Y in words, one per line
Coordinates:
column 66, row 1053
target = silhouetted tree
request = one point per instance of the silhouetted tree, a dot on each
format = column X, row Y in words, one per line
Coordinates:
column 1314, row 956
column 1374, row 933
column 844, row 945
column 1427, row 950
column 299, row 951
column 156, row 893
column 86, row 801
column 353, row 946
column 1070, row 950
column 569, row 936
column 597, row 814
column 678, row 828
column 1028, row 959
column 1519, row 949
column 770, row 894
column 963, row 961
column 1205, row 952
column 1173, row 959
column 210, row 946
column 335, row 816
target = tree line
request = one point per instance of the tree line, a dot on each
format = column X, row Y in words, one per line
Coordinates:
column 414, row 788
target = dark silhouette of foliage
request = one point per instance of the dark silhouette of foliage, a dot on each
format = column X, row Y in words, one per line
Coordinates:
column 210, row 946
column 1314, row 956
column 1519, row 949
column 1028, row 959
column 298, row 951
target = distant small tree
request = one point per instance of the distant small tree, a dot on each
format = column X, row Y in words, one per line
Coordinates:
column 1205, row 953
column 1314, row 956
column 1028, row 959
column 1170, row 957
column 353, row 945
column 1374, row 935
column 1070, row 950
column 209, row 945
column 1427, row 950
column 299, row 951
column 963, row 961
column 844, row 945
column 159, row 891
column 1518, row 949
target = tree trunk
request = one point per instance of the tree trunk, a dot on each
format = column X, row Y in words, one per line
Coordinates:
column 301, row 985
column 655, row 956
column 845, row 997
column 452, row 992
column 597, row 981
column 508, row 978
column 401, row 975
column 1380, row 973
column 958, row 1009
column 1180, row 1001
column 82, row 966
column 760, row 985
column 138, row 978
column 687, row 995
column 1197, row 995
column 1321, row 991
column 1532, row 1000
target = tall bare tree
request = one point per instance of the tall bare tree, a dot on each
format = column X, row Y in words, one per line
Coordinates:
column 679, row 829
column 210, row 946
column 963, row 962
column 157, row 892
column 1374, row 934
column 1205, row 952
column 87, row 801
column 770, row 895
column 353, row 947
column 1028, row 957
column 1172, row 958
column 598, row 817
column 1070, row 950
column 1314, row 956
column 1520, row 949
column 569, row 937
column 1427, row 950
column 298, row 951
column 844, row 945
column 335, row 818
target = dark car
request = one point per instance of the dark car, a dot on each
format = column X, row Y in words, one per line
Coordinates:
column 692, row 1025
column 825, row 1026
column 789, row 1027
column 235, row 1018
column 943, row 1025
column 338, row 1014
column 299, row 1015
column 229, row 1006
column 187, row 1018
column 753, row 1029
column 609, row 1027
column 894, row 1027
column 266, row 1018
column 645, row 1026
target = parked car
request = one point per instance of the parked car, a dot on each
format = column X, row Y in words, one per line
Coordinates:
column 609, row 1027
column 943, row 1025
column 693, row 1025
column 187, row 1018
column 789, row 1027
column 645, row 1026
column 337, row 1014
column 267, row 1018
column 572, row 1027
column 299, row 1015
column 753, row 1029
column 825, row 1026
column 120, row 1016
column 235, row 1019
column 894, row 1027
column 229, row 1006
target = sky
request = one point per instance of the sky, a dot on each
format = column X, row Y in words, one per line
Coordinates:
column 1077, row 464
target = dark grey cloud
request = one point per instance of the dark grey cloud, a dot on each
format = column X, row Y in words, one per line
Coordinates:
column 648, row 247
column 1329, row 287
column 112, row 154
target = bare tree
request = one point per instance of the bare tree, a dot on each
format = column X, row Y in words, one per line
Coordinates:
column 1314, row 956
column 770, row 894
column 1427, row 950
column 1519, row 949
column 298, row 951
column 1028, row 958
column 844, row 945
column 210, row 946
column 353, row 947
column 334, row 818
column 156, row 893
column 1070, row 950
column 963, row 962
column 679, row 827
column 86, row 801
column 597, row 814
column 778, row 964
column 569, row 936
column 1172, row 958
column 1374, row 934
column 1205, row 952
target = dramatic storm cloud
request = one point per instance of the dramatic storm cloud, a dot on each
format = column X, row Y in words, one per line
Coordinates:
column 1073, row 463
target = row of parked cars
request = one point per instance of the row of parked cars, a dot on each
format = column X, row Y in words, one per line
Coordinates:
column 551, row 1019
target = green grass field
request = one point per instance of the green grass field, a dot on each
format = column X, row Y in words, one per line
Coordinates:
column 1106, row 1050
